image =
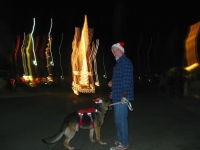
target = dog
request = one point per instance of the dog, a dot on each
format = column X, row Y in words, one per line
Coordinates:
column 90, row 118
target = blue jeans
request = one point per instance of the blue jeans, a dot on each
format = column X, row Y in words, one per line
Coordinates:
column 121, row 122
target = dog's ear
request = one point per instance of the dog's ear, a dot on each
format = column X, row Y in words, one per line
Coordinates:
column 97, row 100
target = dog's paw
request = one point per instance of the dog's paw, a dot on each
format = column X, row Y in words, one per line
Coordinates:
column 92, row 141
column 103, row 143
column 70, row 148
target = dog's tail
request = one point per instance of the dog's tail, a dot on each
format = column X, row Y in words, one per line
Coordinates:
column 54, row 138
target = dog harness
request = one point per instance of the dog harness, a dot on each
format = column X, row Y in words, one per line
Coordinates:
column 88, row 112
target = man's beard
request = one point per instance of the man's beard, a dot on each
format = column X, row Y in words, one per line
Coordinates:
column 116, row 58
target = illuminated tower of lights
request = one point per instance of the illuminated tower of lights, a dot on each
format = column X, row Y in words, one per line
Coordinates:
column 81, row 60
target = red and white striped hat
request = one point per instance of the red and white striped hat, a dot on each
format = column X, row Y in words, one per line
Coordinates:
column 119, row 45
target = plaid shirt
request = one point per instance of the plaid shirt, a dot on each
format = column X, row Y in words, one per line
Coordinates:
column 122, row 80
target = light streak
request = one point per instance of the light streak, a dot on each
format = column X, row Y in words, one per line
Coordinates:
column 191, row 67
column 62, row 77
column 148, row 60
column 28, row 45
column 28, row 56
column 16, row 51
column 36, row 48
column 105, row 76
column 24, row 60
column 49, row 56
column 51, row 62
column 34, row 61
column 191, row 44
column 140, row 76
column 95, row 63
column 83, row 46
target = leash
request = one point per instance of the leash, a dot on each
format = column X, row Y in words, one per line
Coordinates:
column 127, row 102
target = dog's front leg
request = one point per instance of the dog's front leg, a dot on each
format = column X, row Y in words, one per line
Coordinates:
column 92, row 135
column 97, row 132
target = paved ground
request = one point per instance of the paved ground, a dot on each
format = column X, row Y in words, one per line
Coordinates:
column 157, row 123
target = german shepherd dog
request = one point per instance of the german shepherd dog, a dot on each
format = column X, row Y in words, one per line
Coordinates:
column 91, row 118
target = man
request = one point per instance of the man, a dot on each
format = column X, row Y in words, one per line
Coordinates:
column 122, row 88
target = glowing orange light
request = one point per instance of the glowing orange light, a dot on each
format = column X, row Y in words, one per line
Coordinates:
column 81, row 60
column 191, row 47
column 191, row 67
column 48, row 58
column 49, row 55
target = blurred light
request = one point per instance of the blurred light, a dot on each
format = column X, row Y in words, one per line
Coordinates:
column 81, row 60
column 191, row 47
column 191, row 67
column 61, row 57
column 34, row 61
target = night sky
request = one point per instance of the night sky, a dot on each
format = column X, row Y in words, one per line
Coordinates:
column 157, row 23
column 136, row 16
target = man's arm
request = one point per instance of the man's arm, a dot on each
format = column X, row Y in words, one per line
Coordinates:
column 127, row 78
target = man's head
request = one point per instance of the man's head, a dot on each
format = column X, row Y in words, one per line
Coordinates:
column 118, row 50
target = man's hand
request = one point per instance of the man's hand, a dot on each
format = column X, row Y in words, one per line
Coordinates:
column 110, row 83
column 123, row 101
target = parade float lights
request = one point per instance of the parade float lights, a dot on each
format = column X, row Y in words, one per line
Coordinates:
column 83, row 54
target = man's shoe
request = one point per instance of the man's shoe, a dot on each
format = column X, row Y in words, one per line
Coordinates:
column 118, row 143
column 119, row 147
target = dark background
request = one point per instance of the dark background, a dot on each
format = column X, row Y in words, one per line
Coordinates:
column 153, row 32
